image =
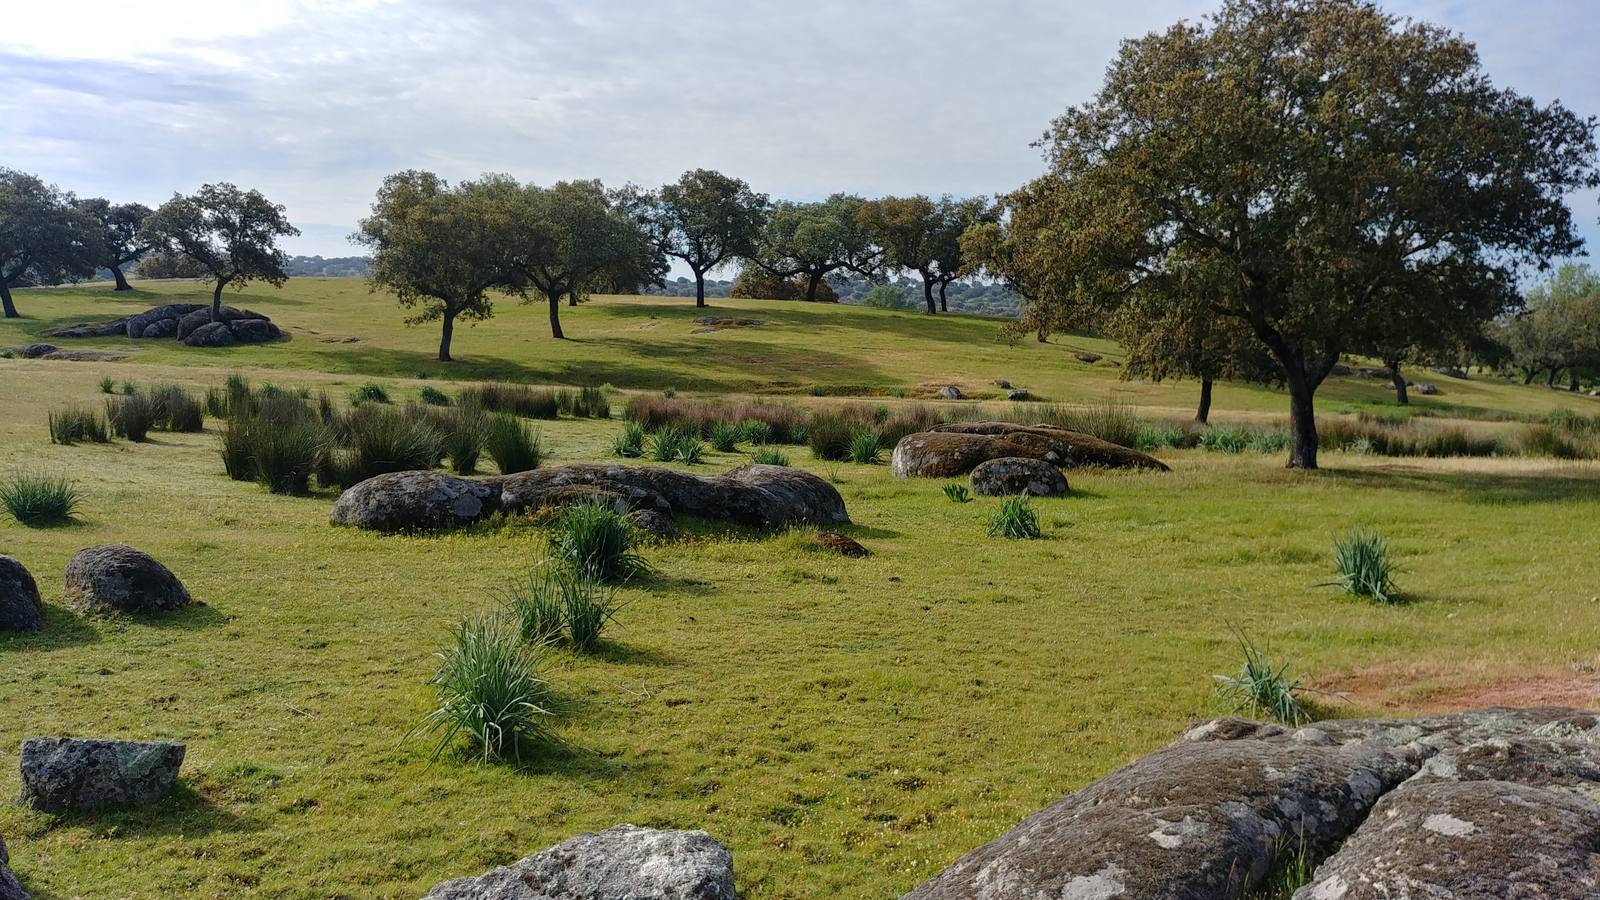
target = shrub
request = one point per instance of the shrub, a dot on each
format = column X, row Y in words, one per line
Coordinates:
column 371, row 392
column 488, row 689
column 513, row 446
column 688, row 450
column 1361, row 558
column 1109, row 421
column 461, row 438
column 769, row 456
column 37, row 500
column 175, row 409
column 516, row 399
column 216, row 402
column 131, row 417
column 664, row 444
column 1269, row 441
column 77, row 423
column 957, row 493
column 864, row 447
column 283, row 456
column 629, row 443
column 382, row 440
column 596, row 542
column 1262, row 688
column 829, row 438
column 885, row 296
column 1015, row 519
column 537, row 604
column 723, row 436
column 589, row 605
column 238, row 456
column 128, row 389
column 754, row 431
column 669, row 392
column 1160, row 437
column 433, row 396
column 1550, row 441
column 591, row 403
column 107, row 386
column 1224, row 439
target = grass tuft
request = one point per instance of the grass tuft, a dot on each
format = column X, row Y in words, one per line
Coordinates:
column 513, row 445
column 77, row 423
column 629, row 443
column 433, row 396
column 1262, row 687
column 724, row 437
column 864, row 448
column 1015, row 519
column 1361, row 557
column 371, row 392
column 957, row 493
column 769, row 456
column 595, row 541
column 131, row 416
column 38, row 501
column 488, row 689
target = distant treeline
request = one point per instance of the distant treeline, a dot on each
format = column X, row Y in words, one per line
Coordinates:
column 971, row 297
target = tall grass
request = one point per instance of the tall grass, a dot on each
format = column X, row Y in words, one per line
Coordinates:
column 462, row 433
column 829, row 437
column 514, row 446
column 724, row 437
column 1262, row 687
column 537, row 604
column 697, row 416
column 38, row 501
column 596, row 542
column 131, row 416
column 514, row 399
column 769, row 456
column 75, row 424
column 864, row 447
column 380, row 440
column 284, row 456
column 487, row 689
column 588, row 607
column 175, row 409
column 629, row 443
column 1361, row 559
column 1015, row 519
column 1110, row 421
column 433, row 396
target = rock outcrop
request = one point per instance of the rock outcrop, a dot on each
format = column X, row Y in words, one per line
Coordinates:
column 188, row 322
column 944, row 451
column 759, row 496
column 118, row 578
column 20, row 606
column 78, row 774
column 10, row 889
column 1010, row 475
column 621, row 863
column 1495, row 803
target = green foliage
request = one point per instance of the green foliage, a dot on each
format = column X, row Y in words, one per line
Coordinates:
column 77, row 423
column 588, row 607
column 515, row 399
column 236, row 445
column 487, row 689
column 433, row 396
column 1222, row 439
column 1162, row 437
column 513, row 445
column 688, row 450
column 228, row 233
column 957, row 493
column 884, row 296
column 629, row 443
column 723, row 436
column 283, row 455
column 829, row 438
column 1361, row 558
column 1262, row 687
column 697, row 416
column 537, row 604
column 107, row 386
column 664, row 444
column 754, row 431
column 371, row 392
column 378, row 440
column 1015, row 519
column 1109, row 421
column 38, row 501
column 462, row 433
column 864, row 447
column 591, row 403
column 769, row 456
column 131, row 417
column 175, row 409
column 595, row 541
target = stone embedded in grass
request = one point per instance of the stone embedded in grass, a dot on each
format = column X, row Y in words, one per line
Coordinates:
column 657, row 525
column 20, row 606
column 1018, row 394
column 951, row 392
column 956, row 448
column 118, row 578
column 80, row 774
column 35, row 351
column 10, row 889
column 622, row 861
column 1011, row 475
column 1088, row 358
column 834, row 542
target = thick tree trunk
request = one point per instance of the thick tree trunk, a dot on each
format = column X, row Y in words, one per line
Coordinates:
column 812, row 284
column 1302, row 422
column 1204, row 411
column 927, row 295
column 122, row 281
column 1527, row 376
column 216, row 300
column 5, row 300
column 1572, row 380
column 555, row 316
column 1043, row 333
column 444, row 338
column 572, row 298
column 943, row 306
column 699, row 288
column 1399, row 380
column 1551, row 381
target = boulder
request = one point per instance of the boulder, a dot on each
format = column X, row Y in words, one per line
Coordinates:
column 951, row 392
column 20, row 606
column 10, row 889
column 138, row 325
column 78, row 774
column 191, row 322
column 1339, row 369
column 86, row 355
column 415, row 501
column 655, row 524
column 118, row 578
column 254, row 331
column 1090, row 358
column 1011, row 475
column 212, row 334
column 834, row 542
column 1372, row 373
column 1002, row 383
column 1017, row 394
column 944, row 451
column 113, row 328
column 1426, row 389
column 34, row 351
column 621, row 863
column 1450, row 371
column 160, row 328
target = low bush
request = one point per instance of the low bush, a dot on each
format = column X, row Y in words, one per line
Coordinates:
column 1224, row 439
column 75, row 424
column 1361, row 558
column 38, row 501
column 488, row 689
column 1262, row 688
column 591, row 403
column 131, row 416
column 1153, row 436
column 515, row 399
column 595, row 541
column 724, row 437
column 513, row 445
column 664, row 443
column 284, row 456
column 371, row 392
column 829, row 438
column 378, row 440
column 769, row 456
column 589, row 606
column 864, row 447
column 688, row 450
column 1551, row 441
column 175, row 409
column 433, row 396
column 629, row 443
column 753, row 431
column 1015, row 519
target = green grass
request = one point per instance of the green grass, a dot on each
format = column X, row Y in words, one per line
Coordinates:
column 845, row 728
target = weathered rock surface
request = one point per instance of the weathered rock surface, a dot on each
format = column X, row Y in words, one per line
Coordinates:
column 77, row 774
column 211, row 334
column 118, row 578
column 956, row 448
column 10, row 889
column 188, row 322
column 1018, row 394
column 20, row 606
column 136, row 324
column 35, row 351
column 657, row 525
column 621, row 863
column 1090, row 358
column 951, row 392
column 1011, row 475
column 759, row 496
column 161, row 328
column 844, row 545
column 113, row 328
column 86, row 355
column 193, row 321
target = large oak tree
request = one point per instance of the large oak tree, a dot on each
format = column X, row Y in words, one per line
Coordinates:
column 44, row 237
column 1344, row 172
column 229, row 233
column 707, row 219
column 814, row 240
column 119, row 234
column 908, row 230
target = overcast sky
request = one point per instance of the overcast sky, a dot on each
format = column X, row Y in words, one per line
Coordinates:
column 314, row 101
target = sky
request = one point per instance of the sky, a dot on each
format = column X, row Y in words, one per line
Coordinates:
column 313, row 102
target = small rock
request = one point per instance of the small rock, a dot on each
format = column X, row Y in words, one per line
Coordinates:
column 1090, row 358
column 62, row 774
column 841, row 544
column 1002, row 383
column 118, row 578
column 1012, row 475
column 1450, row 371
column 1372, row 373
column 20, row 606
column 951, row 392
column 657, row 525
column 34, row 351
column 1427, row 389
column 621, row 863
column 214, row 334
column 1018, row 394
column 1339, row 369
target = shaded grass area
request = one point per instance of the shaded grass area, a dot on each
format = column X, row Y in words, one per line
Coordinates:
column 846, row 727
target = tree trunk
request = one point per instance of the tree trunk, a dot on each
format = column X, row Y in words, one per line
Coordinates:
column 444, row 339
column 1302, row 420
column 699, row 288
column 943, row 306
column 5, row 300
column 927, row 295
column 1043, row 333
column 572, row 298
column 216, row 300
column 812, row 283
column 1527, row 375
column 1204, row 411
column 1399, row 380
column 122, row 281
column 1551, row 381
column 555, row 316
column 1572, row 380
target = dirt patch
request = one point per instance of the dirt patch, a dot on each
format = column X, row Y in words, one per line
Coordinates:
column 709, row 324
column 1427, row 688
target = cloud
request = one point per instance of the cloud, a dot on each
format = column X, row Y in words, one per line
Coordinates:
column 314, row 102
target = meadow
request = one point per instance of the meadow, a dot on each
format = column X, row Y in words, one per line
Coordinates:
column 845, row 727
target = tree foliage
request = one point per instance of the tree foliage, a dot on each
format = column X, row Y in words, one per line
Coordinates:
column 707, row 219
column 1559, row 329
column 757, row 283
column 229, row 233
column 908, row 231
column 44, row 237
column 119, row 234
column 815, row 239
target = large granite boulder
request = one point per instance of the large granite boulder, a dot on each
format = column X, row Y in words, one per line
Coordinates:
column 621, row 863
column 254, row 331
column 139, row 323
column 758, row 496
column 415, row 501
column 201, row 317
column 118, row 578
column 1011, row 475
column 77, row 774
column 36, row 351
column 211, row 334
column 160, row 328
column 20, row 606
column 113, row 328
column 192, row 323
column 956, row 448
column 10, row 889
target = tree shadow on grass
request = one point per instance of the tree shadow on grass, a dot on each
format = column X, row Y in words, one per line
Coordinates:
column 193, row 618
column 185, row 813
column 615, row 651
column 62, row 629
column 1484, row 488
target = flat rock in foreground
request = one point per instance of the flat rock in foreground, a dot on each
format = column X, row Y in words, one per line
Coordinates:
column 79, row 774
column 956, row 448
column 758, row 496
column 621, row 863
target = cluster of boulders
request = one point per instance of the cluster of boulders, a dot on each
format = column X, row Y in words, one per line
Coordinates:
column 767, row 497
column 957, row 448
column 108, row 578
column 1492, row 803
column 195, row 324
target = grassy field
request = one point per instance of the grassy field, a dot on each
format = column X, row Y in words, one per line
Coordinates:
column 846, row 727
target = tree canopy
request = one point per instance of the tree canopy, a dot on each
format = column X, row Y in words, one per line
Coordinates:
column 815, row 239
column 44, row 237
column 230, row 233
column 1560, row 328
column 119, row 234
column 707, row 219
